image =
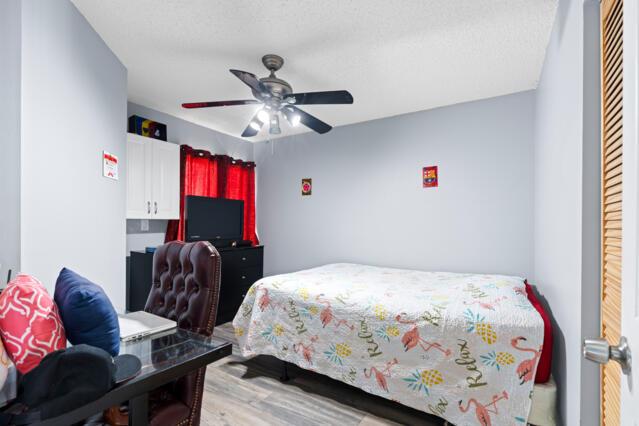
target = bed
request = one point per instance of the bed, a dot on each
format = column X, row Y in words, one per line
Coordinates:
column 464, row 347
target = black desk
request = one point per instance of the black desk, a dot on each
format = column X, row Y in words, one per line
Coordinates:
column 165, row 357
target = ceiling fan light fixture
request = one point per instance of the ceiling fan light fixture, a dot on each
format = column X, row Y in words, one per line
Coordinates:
column 295, row 120
column 255, row 125
column 275, row 125
column 263, row 115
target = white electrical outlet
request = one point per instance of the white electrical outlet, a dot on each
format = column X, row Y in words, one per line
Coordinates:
column 144, row 224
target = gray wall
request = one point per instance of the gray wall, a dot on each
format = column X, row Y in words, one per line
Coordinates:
column 368, row 204
column 181, row 132
column 9, row 137
column 566, row 230
column 73, row 107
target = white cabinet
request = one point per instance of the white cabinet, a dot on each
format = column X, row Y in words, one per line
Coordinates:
column 165, row 180
column 138, row 181
column 153, row 179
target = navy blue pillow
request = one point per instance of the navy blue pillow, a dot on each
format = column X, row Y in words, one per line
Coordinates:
column 87, row 313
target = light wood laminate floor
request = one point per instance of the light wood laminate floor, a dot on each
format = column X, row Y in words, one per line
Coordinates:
column 240, row 391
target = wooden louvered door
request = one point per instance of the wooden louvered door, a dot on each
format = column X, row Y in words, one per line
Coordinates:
column 612, row 162
column 630, row 212
column 619, row 214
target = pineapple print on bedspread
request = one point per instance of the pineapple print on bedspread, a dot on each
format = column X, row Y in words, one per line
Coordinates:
column 337, row 353
column 422, row 381
column 484, row 330
column 497, row 359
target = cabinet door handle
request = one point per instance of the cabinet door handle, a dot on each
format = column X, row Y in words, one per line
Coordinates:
column 148, row 207
column 243, row 277
column 156, row 207
column 243, row 258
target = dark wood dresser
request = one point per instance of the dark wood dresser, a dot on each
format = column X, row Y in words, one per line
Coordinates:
column 241, row 267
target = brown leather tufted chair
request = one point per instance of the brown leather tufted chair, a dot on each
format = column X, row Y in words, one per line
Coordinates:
column 186, row 286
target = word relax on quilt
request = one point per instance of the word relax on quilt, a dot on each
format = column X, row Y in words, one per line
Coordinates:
column 465, row 359
column 295, row 316
column 364, row 333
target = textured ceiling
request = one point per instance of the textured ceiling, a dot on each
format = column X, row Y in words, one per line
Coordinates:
column 394, row 56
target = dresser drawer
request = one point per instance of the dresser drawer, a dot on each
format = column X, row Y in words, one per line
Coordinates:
column 242, row 258
column 243, row 277
column 236, row 285
column 241, row 268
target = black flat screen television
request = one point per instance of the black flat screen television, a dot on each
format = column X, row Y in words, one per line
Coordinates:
column 213, row 219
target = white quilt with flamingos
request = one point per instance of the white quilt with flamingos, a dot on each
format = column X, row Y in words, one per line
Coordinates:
column 463, row 347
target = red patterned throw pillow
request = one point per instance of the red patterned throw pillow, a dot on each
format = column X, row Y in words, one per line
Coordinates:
column 30, row 323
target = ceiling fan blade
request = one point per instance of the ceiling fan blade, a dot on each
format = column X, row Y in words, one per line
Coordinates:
column 308, row 120
column 251, row 81
column 333, row 97
column 218, row 103
column 253, row 128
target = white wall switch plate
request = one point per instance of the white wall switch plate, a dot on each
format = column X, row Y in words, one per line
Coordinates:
column 144, row 224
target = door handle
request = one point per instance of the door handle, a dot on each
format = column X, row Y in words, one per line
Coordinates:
column 600, row 351
column 148, row 207
column 156, row 207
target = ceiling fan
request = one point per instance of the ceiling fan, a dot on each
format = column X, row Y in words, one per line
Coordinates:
column 277, row 98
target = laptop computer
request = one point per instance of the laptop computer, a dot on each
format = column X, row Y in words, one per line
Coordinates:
column 136, row 325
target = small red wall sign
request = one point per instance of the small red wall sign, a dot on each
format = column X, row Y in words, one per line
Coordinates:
column 429, row 176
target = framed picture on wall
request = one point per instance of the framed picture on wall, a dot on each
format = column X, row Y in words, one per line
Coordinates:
column 429, row 176
column 307, row 186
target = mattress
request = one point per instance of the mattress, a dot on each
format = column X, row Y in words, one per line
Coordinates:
column 463, row 347
column 543, row 411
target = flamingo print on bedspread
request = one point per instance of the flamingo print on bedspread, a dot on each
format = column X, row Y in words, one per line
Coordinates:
column 382, row 374
column 526, row 369
column 459, row 346
column 326, row 315
column 482, row 412
column 307, row 349
column 411, row 338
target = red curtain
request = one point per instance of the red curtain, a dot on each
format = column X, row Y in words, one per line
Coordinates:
column 207, row 175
